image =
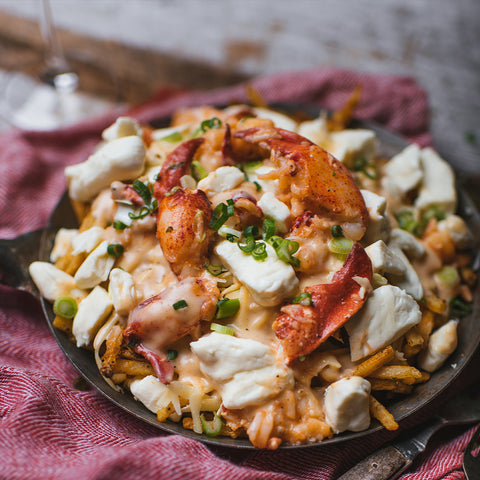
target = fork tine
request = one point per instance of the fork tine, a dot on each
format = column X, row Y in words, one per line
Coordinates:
column 471, row 462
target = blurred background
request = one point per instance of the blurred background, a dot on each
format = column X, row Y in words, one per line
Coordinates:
column 140, row 46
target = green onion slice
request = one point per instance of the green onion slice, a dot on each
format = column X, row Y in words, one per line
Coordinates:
column 337, row 231
column 180, row 304
column 65, row 307
column 213, row 428
column 143, row 191
column 173, row 137
column 251, row 231
column 197, row 170
column 172, row 355
column 259, row 253
column 285, row 250
column 115, row 249
column 214, row 270
column 362, row 165
column 252, row 166
column 268, row 228
column 142, row 213
column 257, row 185
column 172, row 191
column 460, row 308
column 210, row 124
column 304, row 298
column 221, row 213
column 448, row 276
column 248, row 246
column 118, row 225
column 223, row 329
column 340, row 245
column 227, row 307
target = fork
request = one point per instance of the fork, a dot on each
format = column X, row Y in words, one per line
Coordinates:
column 471, row 462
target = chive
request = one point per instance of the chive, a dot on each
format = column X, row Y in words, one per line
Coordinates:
column 252, row 166
column 173, row 137
column 406, row 221
column 213, row 428
column 459, row 308
column 362, row 165
column 259, row 253
column 302, row 358
column 214, row 270
column 240, row 167
column 216, row 327
column 172, row 191
column 172, row 355
column 432, row 212
column 448, row 276
column 248, row 246
column 304, row 298
column 337, row 231
column 221, row 213
column 231, row 237
column 180, row 305
column 210, row 124
column 65, row 307
column 340, row 245
column 378, row 280
column 142, row 213
column 268, row 228
column 197, row 170
column 143, row 191
column 257, row 186
column 251, row 231
column 118, row 225
column 228, row 307
column 285, row 250
column 115, row 249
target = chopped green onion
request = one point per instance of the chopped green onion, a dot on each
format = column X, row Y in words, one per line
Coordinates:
column 172, row 355
column 268, row 228
column 173, row 137
column 337, row 231
column 302, row 358
column 240, row 167
column 285, row 250
column 448, row 276
column 378, row 280
column 248, row 246
column 197, row 170
column 227, row 307
column 459, row 308
column 251, row 231
column 432, row 212
column 221, row 213
column 223, row 329
column 362, row 165
column 180, row 305
column 115, row 249
column 118, row 225
column 252, row 166
column 257, row 185
column 143, row 191
column 65, row 307
column 213, row 428
column 214, row 270
column 406, row 221
column 340, row 245
column 172, row 191
column 210, row 124
column 142, row 213
column 304, row 298
column 259, row 253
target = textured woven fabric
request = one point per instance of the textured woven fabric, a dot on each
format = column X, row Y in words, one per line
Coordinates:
column 50, row 430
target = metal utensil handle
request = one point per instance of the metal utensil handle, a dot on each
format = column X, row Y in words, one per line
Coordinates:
column 16, row 254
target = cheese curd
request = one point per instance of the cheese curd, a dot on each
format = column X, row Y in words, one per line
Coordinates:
column 216, row 274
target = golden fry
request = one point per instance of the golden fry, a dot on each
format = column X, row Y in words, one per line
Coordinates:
column 435, row 304
column 374, row 362
column 69, row 263
column 403, row 373
column 112, row 352
column 133, row 367
column 165, row 412
column 426, row 325
column 395, row 386
column 341, row 118
column 379, row 412
column 63, row 324
column 87, row 222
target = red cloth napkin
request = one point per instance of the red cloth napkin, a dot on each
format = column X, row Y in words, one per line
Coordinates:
column 50, row 430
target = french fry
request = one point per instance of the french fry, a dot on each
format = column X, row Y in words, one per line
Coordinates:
column 379, row 412
column 63, row 324
column 112, row 352
column 87, row 222
column 426, row 324
column 133, row 368
column 403, row 373
column 165, row 412
column 69, row 263
column 435, row 304
column 342, row 116
column 81, row 209
column 389, row 385
column 374, row 362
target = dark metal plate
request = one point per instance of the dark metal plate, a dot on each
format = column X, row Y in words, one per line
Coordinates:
column 469, row 328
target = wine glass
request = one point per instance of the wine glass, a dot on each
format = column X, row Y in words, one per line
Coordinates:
column 52, row 98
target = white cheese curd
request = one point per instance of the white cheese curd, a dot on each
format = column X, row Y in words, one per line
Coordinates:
column 88, row 240
column 378, row 226
column 95, row 268
column 122, row 214
column 63, row 243
column 265, row 184
column 316, row 131
column 276, row 210
column 92, row 311
column 441, row 344
column 410, row 281
column 458, row 230
column 346, row 404
column 120, row 159
column 438, row 186
column 123, row 127
column 384, row 260
column 406, row 242
column 403, row 172
column 246, row 370
column 280, row 120
column 221, row 179
column 52, row 282
column 350, row 144
column 122, row 291
column 154, row 394
column 386, row 315
column 269, row 282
